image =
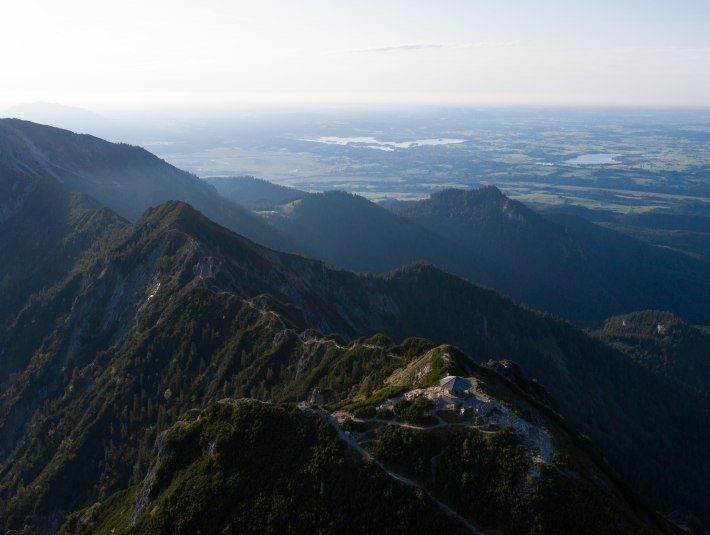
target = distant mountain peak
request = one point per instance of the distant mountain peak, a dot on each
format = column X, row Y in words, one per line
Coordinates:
column 489, row 191
column 125, row 178
column 172, row 211
column 478, row 204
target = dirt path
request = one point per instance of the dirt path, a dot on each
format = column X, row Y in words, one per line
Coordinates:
column 350, row 441
column 441, row 423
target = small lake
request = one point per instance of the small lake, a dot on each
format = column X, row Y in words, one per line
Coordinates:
column 593, row 159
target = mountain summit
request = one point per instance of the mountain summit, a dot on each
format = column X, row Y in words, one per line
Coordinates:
column 566, row 265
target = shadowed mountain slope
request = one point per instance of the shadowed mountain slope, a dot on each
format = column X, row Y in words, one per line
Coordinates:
column 580, row 271
column 125, row 178
column 175, row 307
column 44, row 231
column 663, row 343
column 254, row 193
column 350, row 231
column 565, row 264
column 688, row 233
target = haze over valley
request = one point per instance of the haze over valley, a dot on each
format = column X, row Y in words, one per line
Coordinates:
column 275, row 268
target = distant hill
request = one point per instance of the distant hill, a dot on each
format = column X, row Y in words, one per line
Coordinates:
column 663, row 343
column 585, row 272
column 580, row 271
column 174, row 312
column 654, row 277
column 125, row 178
column 254, row 193
column 350, row 231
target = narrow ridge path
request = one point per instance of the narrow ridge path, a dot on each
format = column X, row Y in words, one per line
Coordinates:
column 350, row 441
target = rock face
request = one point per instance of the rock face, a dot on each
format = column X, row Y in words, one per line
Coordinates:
column 488, row 413
column 320, row 397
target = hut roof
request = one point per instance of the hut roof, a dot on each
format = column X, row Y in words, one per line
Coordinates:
column 455, row 383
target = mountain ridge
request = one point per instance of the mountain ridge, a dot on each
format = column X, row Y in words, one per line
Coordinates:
column 580, row 271
column 254, row 193
column 125, row 178
column 143, row 294
column 594, row 271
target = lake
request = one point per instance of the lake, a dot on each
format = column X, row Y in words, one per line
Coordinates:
column 593, row 159
column 374, row 143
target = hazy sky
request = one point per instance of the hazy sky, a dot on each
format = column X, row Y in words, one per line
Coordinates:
column 567, row 52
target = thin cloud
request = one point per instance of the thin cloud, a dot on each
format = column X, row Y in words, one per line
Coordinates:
column 426, row 46
column 394, row 48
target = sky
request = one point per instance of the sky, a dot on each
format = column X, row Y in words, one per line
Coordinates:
column 496, row 52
